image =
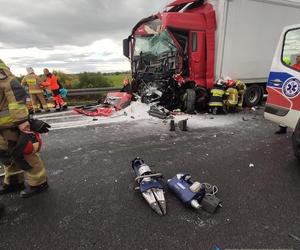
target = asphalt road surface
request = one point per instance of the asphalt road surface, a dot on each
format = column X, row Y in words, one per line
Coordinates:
column 91, row 203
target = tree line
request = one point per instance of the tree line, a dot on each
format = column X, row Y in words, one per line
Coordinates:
column 88, row 79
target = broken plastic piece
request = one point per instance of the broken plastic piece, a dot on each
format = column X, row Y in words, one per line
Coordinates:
column 172, row 125
column 159, row 112
column 183, row 125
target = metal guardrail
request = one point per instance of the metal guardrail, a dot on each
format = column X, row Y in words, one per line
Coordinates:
column 91, row 91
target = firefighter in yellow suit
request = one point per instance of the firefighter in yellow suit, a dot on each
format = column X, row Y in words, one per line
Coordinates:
column 36, row 93
column 241, row 87
column 13, row 123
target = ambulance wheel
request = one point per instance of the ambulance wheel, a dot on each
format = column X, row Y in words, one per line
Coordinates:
column 296, row 140
column 189, row 100
column 253, row 96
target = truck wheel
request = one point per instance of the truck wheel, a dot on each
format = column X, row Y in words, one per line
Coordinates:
column 296, row 140
column 189, row 100
column 253, row 96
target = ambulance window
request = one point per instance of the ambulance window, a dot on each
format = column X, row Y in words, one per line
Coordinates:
column 291, row 49
column 194, row 41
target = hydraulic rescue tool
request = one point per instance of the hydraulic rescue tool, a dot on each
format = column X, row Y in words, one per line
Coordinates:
column 194, row 194
column 150, row 187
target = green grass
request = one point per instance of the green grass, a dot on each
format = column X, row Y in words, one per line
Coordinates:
column 116, row 79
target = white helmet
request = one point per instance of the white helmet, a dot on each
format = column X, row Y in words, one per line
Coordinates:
column 29, row 70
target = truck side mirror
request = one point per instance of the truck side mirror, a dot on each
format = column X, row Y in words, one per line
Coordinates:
column 126, row 47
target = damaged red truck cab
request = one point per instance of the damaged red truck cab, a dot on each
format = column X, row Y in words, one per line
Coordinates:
column 198, row 25
column 176, row 46
column 201, row 25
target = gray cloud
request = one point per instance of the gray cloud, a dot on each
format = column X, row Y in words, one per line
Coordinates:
column 67, row 34
column 28, row 23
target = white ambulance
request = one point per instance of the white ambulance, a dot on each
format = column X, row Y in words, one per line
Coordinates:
column 283, row 103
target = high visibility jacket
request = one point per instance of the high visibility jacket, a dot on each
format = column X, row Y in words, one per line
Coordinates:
column 51, row 82
column 216, row 97
column 232, row 97
column 13, row 110
column 32, row 81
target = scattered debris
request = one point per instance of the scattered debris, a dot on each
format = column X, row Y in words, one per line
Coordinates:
column 113, row 102
column 172, row 125
column 177, row 112
column 159, row 112
column 294, row 237
column 183, row 125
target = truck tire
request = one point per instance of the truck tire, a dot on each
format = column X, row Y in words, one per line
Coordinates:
column 189, row 100
column 296, row 140
column 253, row 96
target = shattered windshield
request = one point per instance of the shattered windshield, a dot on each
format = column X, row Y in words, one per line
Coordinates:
column 155, row 42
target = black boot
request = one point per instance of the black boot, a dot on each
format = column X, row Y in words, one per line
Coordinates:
column 281, row 130
column 2, row 208
column 65, row 107
column 30, row 190
column 6, row 189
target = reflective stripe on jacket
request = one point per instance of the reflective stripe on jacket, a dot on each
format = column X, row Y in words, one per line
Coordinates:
column 32, row 81
column 233, row 95
column 216, row 97
column 13, row 110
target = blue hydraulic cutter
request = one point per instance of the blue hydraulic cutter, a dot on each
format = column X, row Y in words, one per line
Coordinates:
column 150, row 187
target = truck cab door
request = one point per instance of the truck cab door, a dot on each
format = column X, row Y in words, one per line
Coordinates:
column 283, row 103
column 197, row 63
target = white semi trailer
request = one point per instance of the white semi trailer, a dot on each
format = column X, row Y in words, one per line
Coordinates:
column 247, row 36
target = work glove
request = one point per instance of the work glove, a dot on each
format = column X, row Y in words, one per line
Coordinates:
column 39, row 126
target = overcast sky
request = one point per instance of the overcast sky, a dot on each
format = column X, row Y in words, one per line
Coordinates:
column 69, row 35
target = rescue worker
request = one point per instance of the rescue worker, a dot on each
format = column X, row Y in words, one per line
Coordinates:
column 232, row 96
column 35, row 91
column 52, row 83
column 14, row 125
column 216, row 101
column 241, row 88
column 126, row 85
